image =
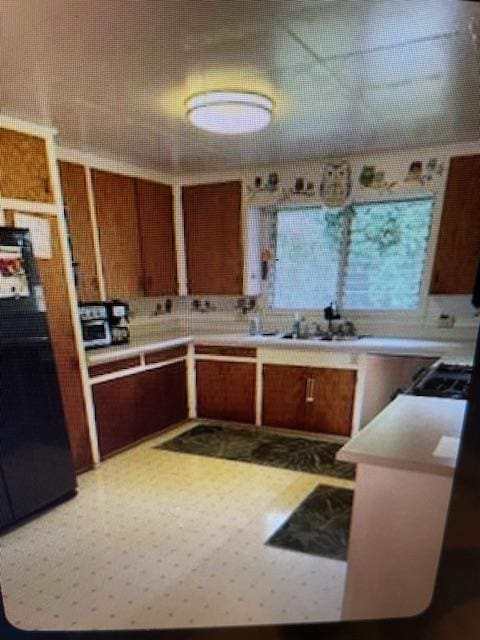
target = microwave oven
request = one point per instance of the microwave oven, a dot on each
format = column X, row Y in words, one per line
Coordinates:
column 95, row 323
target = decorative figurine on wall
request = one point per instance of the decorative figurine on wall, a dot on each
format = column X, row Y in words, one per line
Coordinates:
column 415, row 173
column 272, row 182
column 370, row 178
column 336, row 185
column 367, row 176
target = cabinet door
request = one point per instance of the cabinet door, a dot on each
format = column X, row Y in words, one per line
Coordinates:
column 74, row 188
column 116, row 211
column 24, row 170
column 226, row 390
column 458, row 249
column 133, row 407
column 329, row 401
column 116, row 413
column 155, row 217
column 212, row 222
column 284, row 396
column 54, row 281
column 162, row 398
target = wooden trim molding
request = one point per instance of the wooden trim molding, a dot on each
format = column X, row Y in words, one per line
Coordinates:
column 116, row 365
column 166, row 354
column 242, row 352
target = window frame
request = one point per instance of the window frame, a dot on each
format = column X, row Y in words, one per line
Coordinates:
column 379, row 314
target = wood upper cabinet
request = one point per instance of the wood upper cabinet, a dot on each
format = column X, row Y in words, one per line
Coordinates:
column 213, row 243
column 25, row 172
column 226, row 390
column 131, row 408
column 75, row 197
column 119, row 234
column 157, row 236
column 309, row 398
column 458, row 249
column 54, row 283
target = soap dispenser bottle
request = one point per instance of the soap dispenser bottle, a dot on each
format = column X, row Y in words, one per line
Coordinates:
column 296, row 326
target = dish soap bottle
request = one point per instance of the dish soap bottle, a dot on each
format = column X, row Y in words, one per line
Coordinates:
column 296, row 326
column 303, row 328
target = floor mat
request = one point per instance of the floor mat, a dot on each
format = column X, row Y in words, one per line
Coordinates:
column 319, row 525
column 260, row 447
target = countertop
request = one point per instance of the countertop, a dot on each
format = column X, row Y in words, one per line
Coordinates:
column 407, row 432
column 155, row 340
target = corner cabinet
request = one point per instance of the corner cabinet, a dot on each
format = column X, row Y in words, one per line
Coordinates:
column 213, row 238
column 133, row 407
column 458, row 248
column 309, row 398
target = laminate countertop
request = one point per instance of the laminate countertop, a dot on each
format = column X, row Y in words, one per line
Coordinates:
column 412, row 433
column 459, row 351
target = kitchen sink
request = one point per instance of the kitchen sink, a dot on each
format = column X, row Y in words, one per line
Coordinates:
column 324, row 338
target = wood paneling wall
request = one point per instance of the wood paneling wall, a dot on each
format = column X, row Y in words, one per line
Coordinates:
column 24, row 173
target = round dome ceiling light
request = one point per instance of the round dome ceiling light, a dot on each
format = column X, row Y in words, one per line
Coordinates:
column 229, row 112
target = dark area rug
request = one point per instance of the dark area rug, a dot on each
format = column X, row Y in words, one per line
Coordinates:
column 259, row 447
column 319, row 525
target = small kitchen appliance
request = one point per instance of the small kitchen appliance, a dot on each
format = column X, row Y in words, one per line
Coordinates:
column 118, row 320
column 94, row 317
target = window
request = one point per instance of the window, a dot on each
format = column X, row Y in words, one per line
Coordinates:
column 367, row 256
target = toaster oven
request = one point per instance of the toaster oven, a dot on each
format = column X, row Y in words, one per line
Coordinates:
column 96, row 330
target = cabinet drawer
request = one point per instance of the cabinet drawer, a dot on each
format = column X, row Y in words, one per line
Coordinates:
column 242, row 352
column 111, row 367
column 165, row 354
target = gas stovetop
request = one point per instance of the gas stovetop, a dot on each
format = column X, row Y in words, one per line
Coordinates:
column 444, row 381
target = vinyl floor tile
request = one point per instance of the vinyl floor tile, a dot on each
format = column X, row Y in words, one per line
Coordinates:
column 162, row 539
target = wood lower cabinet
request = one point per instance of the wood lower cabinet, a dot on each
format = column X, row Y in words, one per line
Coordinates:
column 133, row 407
column 226, row 390
column 458, row 248
column 284, row 392
column 330, row 396
column 309, row 398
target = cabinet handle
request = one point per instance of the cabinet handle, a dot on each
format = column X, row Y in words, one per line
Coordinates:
column 309, row 393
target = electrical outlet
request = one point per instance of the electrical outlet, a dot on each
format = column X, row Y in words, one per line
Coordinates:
column 445, row 321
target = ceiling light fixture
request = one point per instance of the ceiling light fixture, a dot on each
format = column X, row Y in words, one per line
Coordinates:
column 229, row 112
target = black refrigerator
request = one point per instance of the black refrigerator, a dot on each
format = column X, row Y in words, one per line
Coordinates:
column 36, row 466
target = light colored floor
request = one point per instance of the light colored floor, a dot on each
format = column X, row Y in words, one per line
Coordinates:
column 162, row 539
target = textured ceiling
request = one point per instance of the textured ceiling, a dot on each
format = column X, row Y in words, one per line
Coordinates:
column 347, row 76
